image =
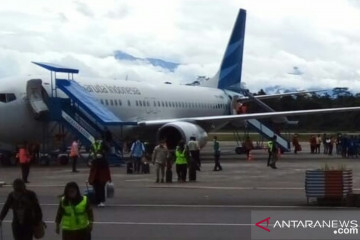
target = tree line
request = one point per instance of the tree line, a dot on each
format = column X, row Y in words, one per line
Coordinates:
column 337, row 97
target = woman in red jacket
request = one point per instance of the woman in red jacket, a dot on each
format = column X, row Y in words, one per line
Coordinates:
column 99, row 176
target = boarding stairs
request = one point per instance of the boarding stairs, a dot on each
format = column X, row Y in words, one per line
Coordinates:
column 263, row 129
column 80, row 112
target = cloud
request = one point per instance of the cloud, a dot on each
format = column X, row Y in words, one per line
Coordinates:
column 84, row 9
column 322, row 38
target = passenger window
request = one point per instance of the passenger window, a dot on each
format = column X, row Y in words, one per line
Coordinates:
column 102, row 101
column 3, row 98
column 140, row 103
column 107, row 102
column 111, row 102
column 120, row 102
column 129, row 104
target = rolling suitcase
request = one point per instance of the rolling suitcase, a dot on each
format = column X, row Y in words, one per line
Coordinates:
column 168, row 176
column 129, row 168
column 89, row 192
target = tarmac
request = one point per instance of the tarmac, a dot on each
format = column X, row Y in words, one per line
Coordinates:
column 217, row 206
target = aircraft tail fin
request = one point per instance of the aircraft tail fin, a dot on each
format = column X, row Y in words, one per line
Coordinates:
column 229, row 75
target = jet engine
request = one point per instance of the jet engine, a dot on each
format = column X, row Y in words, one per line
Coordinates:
column 175, row 131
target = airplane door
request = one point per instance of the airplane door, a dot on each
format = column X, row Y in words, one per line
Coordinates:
column 34, row 92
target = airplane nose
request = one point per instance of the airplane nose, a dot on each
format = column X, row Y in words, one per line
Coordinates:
column 15, row 115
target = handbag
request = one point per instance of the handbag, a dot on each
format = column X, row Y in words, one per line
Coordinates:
column 110, row 190
column 39, row 230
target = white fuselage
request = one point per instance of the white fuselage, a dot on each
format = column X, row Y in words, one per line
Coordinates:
column 129, row 100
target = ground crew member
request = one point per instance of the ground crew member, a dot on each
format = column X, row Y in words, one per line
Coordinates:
column 181, row 161
column 24, row 159
column 216, row 146
column 98, row 148
column 74, row 215
column 74, row 154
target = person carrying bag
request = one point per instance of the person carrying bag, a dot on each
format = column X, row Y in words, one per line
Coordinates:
column 27, row 214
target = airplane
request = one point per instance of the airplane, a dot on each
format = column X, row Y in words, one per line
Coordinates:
column 150, row 111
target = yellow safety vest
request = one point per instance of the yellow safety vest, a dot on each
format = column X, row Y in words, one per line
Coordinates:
column 180, row 157
column 75, row 217
column 96, row 147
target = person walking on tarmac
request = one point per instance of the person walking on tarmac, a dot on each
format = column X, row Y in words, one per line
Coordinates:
column 98, row 177
column 74, row 154
column 273, row 153
column 181, row 161
column 98, row 147
column 26, row 211
column 159, row 157
column 74, row 215
column 137, row 152
column 217, row 151
column 248, row 145
column 24, row 159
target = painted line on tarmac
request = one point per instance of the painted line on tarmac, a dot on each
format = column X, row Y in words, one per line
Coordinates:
column 161, row 223
column 202, row 206
column 228, row 188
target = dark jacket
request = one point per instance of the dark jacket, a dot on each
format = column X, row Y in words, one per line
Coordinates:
column 99, row 171
column 25, row 206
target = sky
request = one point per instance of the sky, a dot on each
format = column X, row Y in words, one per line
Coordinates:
column 321, row 38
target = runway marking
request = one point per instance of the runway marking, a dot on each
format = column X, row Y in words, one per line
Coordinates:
column 139, row 180
column 204, row 206
column 228, row 188
column 161, row 223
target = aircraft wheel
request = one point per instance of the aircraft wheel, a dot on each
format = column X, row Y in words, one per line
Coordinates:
column 239, row 150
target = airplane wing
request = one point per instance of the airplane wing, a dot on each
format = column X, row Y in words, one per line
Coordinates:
column 248, row 116
column 262, row 97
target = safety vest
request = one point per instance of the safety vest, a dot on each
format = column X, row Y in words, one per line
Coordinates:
column 180, row 157
column 96, row 147
column 75, row 217
column 270, row 145
column 74, row 149
column 23, row 156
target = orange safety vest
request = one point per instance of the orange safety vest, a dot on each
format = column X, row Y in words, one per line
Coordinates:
column 74, row 149
column 24, row 156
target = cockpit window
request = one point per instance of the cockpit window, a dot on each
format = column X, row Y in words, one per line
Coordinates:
column 7, row 97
